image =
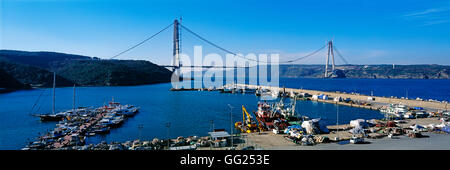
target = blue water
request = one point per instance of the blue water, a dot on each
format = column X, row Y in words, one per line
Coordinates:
column 190, row 112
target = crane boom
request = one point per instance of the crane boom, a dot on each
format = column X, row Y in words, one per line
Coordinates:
column 245, row 113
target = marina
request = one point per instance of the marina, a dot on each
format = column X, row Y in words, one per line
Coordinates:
column 73, row 128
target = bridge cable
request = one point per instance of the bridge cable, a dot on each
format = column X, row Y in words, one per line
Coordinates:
column 339, row 54
column 238, row 55
column 142, row 42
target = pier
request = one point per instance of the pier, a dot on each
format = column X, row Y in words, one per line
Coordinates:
column 376, row 103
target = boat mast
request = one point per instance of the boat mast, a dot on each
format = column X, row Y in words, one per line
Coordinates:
column 293, row 106
column 73, row 98
column 54, row 81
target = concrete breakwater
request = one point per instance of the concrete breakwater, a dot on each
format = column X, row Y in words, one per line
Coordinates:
column 377, row 101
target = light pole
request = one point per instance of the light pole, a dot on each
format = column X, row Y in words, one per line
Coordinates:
column 337, row 121
column 211, row 125
column 168, row 138
column 140, row 126
column 231, row 124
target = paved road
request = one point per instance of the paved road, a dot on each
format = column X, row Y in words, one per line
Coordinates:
column 433, row 142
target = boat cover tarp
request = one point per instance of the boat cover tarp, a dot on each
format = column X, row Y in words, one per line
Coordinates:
column 446, row 129
column 357, row 130
column 417, row 127
column 359, row 123
column 314, row 126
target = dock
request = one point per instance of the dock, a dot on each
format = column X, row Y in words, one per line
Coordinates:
column 376, row 103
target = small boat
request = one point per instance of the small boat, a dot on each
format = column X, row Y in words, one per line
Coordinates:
column 390, row 136
column 36, row 145
column 102, row 130
column 421, row 114
column 125, row 110
column 275, row 94
column 356, row 140
column 51, row 117
column 408, row 115
column 249, row 90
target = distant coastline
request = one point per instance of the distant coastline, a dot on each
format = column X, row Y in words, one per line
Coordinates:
column 26, row 70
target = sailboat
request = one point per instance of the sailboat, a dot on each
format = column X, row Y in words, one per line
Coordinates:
column 53, row 116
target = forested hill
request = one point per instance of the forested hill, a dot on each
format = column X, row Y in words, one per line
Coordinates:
column 35, row 69
column 430, row 71
column 42, row 59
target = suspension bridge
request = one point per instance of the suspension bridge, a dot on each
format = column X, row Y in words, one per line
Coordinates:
column 177, row 64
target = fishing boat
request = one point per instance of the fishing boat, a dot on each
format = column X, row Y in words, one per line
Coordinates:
column 125, row 110
column 394, row 111
column 270, row 116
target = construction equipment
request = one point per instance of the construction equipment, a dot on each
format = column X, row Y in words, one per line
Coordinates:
column 247, row 125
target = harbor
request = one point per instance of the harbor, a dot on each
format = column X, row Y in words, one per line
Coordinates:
column 272, row 125
column 341, row 98
column 376, row 101
column 204, row 115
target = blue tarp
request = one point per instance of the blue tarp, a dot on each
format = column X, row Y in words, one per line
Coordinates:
column 322, row 127
column 446, row 129
column 294, row 127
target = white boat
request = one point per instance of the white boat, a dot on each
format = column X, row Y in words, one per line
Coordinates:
column 356, row 140
column 275, row 93
column 395, row 111
column 292, row 94
column 421, row 114
column 409, row 115
column 125, row 110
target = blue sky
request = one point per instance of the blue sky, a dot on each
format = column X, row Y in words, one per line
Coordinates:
column 365, row 32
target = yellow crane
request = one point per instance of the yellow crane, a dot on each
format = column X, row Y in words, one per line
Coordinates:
column 247, row 125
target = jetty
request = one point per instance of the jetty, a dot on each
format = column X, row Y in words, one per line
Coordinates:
column 376, row 102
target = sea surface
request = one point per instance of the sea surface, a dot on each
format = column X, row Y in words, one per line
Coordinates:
column 190, row 112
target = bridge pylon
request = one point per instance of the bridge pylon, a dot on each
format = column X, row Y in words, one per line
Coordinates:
column 176, row 50
column 329, row 53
